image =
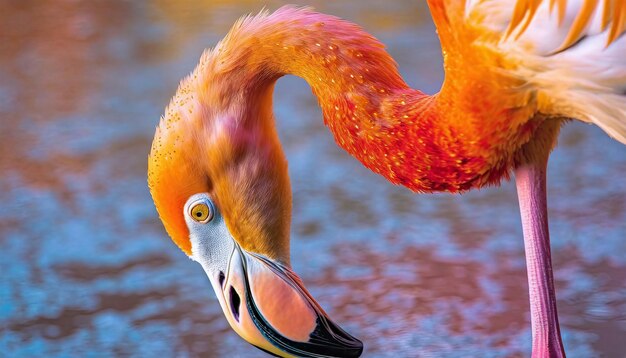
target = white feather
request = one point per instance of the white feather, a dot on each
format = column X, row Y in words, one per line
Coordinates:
column 586, row 81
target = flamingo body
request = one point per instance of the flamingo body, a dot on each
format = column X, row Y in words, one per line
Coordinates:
column 512, row 78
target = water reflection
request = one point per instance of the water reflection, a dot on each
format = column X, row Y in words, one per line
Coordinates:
column 86, row 264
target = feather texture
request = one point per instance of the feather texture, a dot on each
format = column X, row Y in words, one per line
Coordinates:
column 613, row 15
column 571, row 59
column 218, row 136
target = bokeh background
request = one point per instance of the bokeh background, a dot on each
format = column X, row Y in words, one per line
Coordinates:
column 86, row 268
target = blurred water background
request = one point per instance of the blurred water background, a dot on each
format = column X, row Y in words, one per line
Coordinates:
column 86, row 268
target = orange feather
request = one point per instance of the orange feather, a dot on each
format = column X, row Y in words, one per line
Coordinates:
column 218, row 133
column 396, row 131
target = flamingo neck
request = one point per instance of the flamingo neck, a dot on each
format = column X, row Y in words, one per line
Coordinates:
column 422, row 142
column 218, row 134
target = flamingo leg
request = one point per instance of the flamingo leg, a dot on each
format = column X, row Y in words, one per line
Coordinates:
column 530, row 179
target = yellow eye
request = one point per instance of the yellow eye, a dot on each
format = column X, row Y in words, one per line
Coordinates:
column 201, row 212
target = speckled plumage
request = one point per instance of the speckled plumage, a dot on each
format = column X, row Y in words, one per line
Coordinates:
column 218, row 135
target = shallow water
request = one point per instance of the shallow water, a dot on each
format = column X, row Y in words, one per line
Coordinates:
column 87, row 269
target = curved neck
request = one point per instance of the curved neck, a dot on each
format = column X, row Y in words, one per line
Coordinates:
column 218, row 134
column 334, row 56
column 372, row 112
column 396, row 131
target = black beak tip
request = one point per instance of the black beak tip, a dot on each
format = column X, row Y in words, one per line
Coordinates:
column 359, row 350
column 332, row 341
column 356, row 350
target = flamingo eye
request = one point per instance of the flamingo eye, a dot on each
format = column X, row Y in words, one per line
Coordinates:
column 201, row 212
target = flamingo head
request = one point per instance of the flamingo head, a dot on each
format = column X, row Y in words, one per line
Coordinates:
column 218, row 178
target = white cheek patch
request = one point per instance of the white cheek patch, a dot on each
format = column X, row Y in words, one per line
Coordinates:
column 211, row 243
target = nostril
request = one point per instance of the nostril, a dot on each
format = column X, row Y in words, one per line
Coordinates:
column 221, row 278
column 234, row 303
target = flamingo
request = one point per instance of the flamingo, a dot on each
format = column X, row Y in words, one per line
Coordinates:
column 514, row 73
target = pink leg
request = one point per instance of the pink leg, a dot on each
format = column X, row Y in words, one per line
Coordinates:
column 531, row 191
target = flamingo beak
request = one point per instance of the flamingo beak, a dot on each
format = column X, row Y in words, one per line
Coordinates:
column 263, row 300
